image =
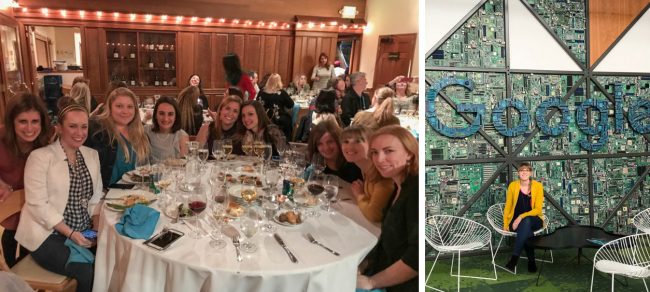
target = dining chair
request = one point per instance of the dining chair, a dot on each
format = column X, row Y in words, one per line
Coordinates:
column 628, row 256
column 642, row 221
column 452, row 234
column 495, row 218
column 27, row 269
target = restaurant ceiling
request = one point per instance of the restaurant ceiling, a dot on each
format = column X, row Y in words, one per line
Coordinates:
column 277, row 10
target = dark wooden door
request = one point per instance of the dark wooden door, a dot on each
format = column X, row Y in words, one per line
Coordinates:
column 394, row 57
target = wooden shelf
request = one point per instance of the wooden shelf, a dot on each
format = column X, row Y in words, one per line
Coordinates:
column 157, row 69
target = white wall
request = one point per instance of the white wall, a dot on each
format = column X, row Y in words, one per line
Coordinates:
column 65, row 46
column 388, row 17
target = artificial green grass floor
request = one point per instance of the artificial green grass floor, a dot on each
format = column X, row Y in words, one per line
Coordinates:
column 564, row 275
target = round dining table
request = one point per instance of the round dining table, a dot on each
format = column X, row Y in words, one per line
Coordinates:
column 125, row 264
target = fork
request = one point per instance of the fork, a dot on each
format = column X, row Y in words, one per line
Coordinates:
column 235, row 242
column 313, row 240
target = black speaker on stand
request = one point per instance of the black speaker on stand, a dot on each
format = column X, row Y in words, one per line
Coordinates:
column 52, row 91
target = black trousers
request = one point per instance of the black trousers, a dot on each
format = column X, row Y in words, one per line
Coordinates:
column 9, row 246
column 52, row 256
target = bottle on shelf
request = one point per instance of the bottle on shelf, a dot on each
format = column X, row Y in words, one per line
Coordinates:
column 132, row 51
column 171, row 47
column 160, row 45
column 151, row 46
column 151, row 62
column 166, row 61
column 132, row 80
column 164, row 82
column 116, row 53
column 156, row 81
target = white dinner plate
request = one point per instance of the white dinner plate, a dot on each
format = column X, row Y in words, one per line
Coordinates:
column 276, row 218
column 119, row 205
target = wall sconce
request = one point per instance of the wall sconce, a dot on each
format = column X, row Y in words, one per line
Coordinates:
column 349, row 12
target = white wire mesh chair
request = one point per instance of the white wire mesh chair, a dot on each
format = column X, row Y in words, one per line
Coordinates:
column 451, row 234
column 628, row 256
column 642, row 221
column 495, row 218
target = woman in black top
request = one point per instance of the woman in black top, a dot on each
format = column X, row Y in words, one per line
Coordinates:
column 276, row 103
column 325, row 140
column 227, row 124
column 393, row 263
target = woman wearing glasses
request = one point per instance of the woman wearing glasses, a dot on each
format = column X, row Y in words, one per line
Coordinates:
column 523, row 214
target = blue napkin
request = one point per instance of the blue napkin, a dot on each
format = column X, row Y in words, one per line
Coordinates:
column 78, row 254
column 138, row 222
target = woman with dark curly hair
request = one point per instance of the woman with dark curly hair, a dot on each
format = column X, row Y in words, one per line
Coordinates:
column 26, row 128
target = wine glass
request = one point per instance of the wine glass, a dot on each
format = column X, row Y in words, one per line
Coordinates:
column 247, row 145
column 248, row 193
column 143, row 170
column 219, row 218
column 218, row 149
column 197, row 203
column 227, row 147
column 203, row 153
column 192, row 147
column 270, row 208
column 318, row 163
column 331, row 190
column 214, row 179
column 315, row 187
column 249, row 226
column 281, row 146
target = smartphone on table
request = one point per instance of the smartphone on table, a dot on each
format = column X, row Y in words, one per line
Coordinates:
column 164, row 239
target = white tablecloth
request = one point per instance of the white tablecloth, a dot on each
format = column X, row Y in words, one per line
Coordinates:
column 125, row 264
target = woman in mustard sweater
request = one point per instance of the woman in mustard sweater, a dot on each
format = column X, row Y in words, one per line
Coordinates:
column 523, row 214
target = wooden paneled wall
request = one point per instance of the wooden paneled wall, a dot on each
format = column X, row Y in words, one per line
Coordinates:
column 308, row 46
column 607, row 20
column 202, row 52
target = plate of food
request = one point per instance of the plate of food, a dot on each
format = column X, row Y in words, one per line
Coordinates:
column 235, row 191
column 175, row 162
column 128, row 201
column 289, row 218
column 172, row 211
column 247, row 168
column 136, row 176
column 234, row 210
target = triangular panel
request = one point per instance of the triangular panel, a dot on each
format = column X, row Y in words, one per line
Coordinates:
column 531, row 46
column 566, row 19
column 442, row 16
column 607, row 20
column 635, row 43
column 478, row 43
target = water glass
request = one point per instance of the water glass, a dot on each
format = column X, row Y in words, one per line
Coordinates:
column 249, row 226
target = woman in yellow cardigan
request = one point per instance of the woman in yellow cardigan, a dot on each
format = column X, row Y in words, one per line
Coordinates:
column 523, row 214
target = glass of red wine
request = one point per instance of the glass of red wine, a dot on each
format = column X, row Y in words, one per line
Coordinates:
column 315, row 186
column 197, row 202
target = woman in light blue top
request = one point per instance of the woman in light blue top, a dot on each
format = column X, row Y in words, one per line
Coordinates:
column 167, row 138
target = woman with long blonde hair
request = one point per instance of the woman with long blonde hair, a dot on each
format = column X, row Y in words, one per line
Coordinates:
column 276, row 102
column 394, row 261
column 226, row 125
column 118, row 135
column 381, row 112
column 191, row 114
column 80, row 93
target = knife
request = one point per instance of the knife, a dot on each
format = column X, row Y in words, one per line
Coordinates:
column 284, row 246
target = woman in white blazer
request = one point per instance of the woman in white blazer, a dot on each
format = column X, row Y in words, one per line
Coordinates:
column 63, row 186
